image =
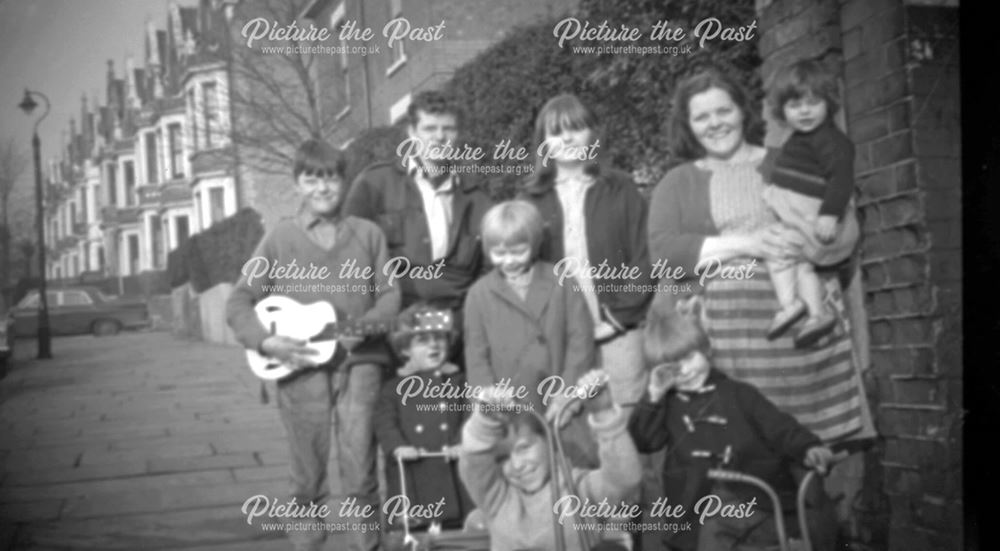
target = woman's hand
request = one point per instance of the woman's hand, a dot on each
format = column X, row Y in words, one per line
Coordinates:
column 776, row 242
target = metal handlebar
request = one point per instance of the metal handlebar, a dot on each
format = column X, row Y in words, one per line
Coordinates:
column 800, row 498
column 734, row 476
column 408, row 538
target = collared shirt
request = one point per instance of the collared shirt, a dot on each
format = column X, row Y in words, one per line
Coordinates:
column 437, row 206
column 320, row 229
column 572, row 191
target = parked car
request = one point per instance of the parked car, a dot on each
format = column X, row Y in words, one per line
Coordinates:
column 78, row 310
column 6, row 337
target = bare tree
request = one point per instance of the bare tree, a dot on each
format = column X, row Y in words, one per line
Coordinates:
column 275, row 95
column 12, row 165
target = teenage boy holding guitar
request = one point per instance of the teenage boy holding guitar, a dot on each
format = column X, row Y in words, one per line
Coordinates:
column 337, row 395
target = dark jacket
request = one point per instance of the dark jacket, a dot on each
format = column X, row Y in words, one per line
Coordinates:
column 387, row 195
column 422, row 423
column 616, row 233
column 764, row 442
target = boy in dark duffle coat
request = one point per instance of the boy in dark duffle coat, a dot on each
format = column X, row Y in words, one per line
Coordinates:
column 707, row 420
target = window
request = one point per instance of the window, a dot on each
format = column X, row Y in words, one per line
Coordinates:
column 31, row 300
column 133, row 254
column 76, row 298
column 210, row 105
column 129, row 170
column 152, row 174
column 157, row 240
column 398, row 109
column 181, row 230
column 216, row 204
column 398, row 53
column 176, row 151
column 193, row 120
column 337, row 22
column 112, row 184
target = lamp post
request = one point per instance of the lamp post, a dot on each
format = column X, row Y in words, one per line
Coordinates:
column 44, row 338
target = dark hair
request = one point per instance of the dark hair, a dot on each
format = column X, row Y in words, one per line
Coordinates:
column 670, row 336
column 317, row 157
column 683, row 142
column 563, row 112
column 805, row 78
column 525, row 420
column 433, row 102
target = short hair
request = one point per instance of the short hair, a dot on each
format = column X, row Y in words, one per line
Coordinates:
column 805, row 78
column 562, row 112
column 317, row 157
column 433, row 102
column 670, row 336
column 512, row 222
column 683, row 143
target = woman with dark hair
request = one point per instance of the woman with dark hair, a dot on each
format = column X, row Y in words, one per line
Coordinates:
column 595, row 224
column 708, row 217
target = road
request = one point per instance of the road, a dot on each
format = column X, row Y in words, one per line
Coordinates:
column 138, row 441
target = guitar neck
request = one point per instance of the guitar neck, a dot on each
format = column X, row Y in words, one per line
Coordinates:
column 355, row 328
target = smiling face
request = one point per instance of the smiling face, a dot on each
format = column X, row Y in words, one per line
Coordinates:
column 428, row 351
column 527, row 467
column 321, row 193
column 511, row 260
column 805, row 113
column 433, row 130
column 692, row 371
column 716, row 122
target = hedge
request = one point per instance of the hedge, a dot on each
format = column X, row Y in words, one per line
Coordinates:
column 502, row 89
column 217, row 254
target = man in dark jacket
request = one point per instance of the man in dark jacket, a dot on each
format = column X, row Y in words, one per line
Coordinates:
column 429, row 213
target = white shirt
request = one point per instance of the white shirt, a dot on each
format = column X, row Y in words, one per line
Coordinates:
column 437, row 207
column 571, row 192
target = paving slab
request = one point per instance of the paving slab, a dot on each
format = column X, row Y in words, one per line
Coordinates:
column 138, row 441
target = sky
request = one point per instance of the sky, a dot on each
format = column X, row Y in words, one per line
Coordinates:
column 61, row 48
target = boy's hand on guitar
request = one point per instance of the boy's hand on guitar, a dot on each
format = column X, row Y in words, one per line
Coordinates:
column 661, row 379
column 290, row 351
column 819, row 458
column 407, row 452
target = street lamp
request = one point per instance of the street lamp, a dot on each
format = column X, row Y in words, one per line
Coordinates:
column 44, row 338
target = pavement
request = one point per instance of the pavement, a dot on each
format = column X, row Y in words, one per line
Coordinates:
column 137, row 441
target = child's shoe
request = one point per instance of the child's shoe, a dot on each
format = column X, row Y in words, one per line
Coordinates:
column 814, row 329
column 785, row 318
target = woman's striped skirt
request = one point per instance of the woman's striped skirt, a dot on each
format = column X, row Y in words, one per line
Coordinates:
column 820, row 386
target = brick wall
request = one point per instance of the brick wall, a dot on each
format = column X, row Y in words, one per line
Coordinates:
column 899, row 66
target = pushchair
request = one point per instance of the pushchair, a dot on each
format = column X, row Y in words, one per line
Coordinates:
column 785, row 543
column 470, row 538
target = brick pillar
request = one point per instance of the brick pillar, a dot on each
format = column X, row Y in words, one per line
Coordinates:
column 901, row 71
